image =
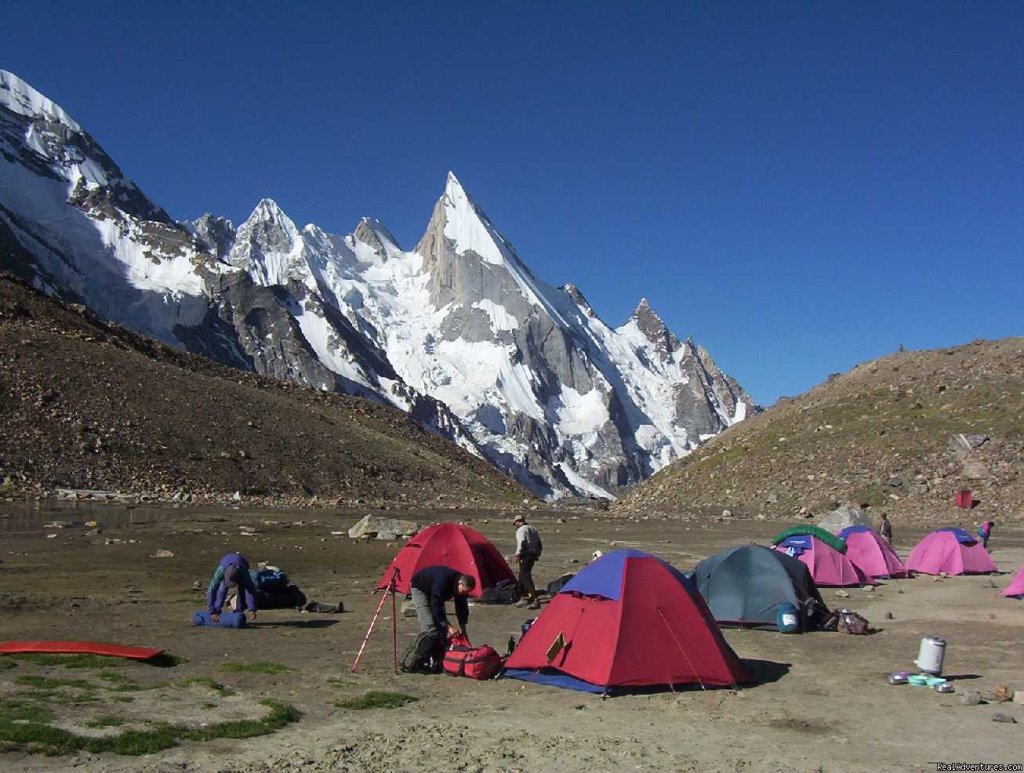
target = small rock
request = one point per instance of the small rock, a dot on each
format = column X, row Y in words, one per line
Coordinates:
column 727, row 513
column 1004, row 718
column 51, row 536
column 161, row 553
column 868, row 588
column 841, row 594
column 970, row 698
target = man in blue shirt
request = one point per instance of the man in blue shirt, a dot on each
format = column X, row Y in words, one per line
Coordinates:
column 431, row 588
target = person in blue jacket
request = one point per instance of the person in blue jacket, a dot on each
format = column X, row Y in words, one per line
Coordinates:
column 985, row 533
column 232, row 573
column 431, row 588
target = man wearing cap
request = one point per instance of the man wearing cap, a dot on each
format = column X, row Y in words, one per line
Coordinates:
column 232, row 574
column 528, row 549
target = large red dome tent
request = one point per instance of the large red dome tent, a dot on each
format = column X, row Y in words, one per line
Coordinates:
column 453, row 545
column 628, row 620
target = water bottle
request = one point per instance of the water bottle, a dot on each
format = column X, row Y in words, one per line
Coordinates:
column 511, row 645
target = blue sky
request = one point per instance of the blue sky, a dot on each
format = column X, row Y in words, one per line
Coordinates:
column 798, row 186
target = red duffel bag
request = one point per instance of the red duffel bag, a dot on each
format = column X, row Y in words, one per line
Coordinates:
column 463, row 659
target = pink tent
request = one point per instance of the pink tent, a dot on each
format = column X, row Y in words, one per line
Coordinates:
column 952, row 551
column 1016, row 587
column 828, row 566
column 871, row 553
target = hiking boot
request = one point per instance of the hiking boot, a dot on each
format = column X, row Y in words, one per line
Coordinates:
column 521, row 603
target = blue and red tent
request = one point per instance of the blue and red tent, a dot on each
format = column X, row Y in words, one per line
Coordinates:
column 628, row 620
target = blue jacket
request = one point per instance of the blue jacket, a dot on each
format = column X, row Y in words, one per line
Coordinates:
column 217, row 591
column 439, row 583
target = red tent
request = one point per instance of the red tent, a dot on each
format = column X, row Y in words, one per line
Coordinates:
column 627, row 620
column 449, row 544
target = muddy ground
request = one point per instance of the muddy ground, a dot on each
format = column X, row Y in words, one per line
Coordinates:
column 822, row 701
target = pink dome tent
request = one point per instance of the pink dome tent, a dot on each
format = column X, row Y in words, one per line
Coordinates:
column 1015, row 590
column 871, row 553
column 952, row 551
column 828, row 566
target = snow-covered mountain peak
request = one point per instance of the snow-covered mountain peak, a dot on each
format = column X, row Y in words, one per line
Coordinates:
column 376, row 235
column 457, row 331
column 268, row 245
column 18, row 97
column 577, row 297
column 645, row 320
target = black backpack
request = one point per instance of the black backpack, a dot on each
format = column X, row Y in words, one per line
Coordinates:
column 424, row 655
column 505, row 592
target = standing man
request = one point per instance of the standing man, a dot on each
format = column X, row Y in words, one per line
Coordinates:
column 431, row 588
column 885, row 528
column 528, row 550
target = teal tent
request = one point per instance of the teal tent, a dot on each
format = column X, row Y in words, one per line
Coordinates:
column 745, row 585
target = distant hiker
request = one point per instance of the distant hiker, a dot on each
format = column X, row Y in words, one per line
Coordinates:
column 885, row 528
column 231, row 576
column 528, row 550
column 431, row 588
column 985, row 531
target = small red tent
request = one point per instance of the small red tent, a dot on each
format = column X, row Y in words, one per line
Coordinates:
column 627, row 620
column 449, row 544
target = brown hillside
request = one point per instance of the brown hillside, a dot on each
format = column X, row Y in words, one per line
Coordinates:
column 885, row 435
column 88, row 405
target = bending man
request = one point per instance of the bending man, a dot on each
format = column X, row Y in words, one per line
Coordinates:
column 431, row 588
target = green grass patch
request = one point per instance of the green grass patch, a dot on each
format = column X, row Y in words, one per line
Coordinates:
column 256, row 667
column 7, row 662
column 69, row 661
column 14, row 710
column 48, row 684
column 38, row 737
column 375, row 700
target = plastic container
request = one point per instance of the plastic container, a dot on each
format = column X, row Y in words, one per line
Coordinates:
column 932, row 653
column 787, row 619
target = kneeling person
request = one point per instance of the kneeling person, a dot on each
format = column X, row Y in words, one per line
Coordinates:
column 232, row 574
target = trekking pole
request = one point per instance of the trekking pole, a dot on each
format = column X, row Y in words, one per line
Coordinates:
column 394, row 624
column 390, row 589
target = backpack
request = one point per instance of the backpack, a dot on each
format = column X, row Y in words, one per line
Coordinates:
column 463, row 659
column 557, row 584
column 423, row 656
column 851, row 622
column 505, row 592
column 269, row 579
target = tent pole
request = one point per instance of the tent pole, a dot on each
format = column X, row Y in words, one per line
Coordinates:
column 394, row 624
column 390, row 589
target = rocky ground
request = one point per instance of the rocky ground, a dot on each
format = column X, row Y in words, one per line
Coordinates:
column 821, row 701
column 88, row 407
column 900, row 434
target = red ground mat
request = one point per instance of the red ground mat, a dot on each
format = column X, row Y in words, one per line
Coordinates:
column 79, row 648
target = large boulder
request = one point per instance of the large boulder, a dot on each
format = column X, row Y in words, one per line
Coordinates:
column 843, row 516
column 382, row 528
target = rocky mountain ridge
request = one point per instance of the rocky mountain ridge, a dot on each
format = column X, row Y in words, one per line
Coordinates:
column 457, row 332
column 900, row 434
column 87, row 405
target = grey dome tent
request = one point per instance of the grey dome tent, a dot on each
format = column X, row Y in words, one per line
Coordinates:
column 745, row 585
